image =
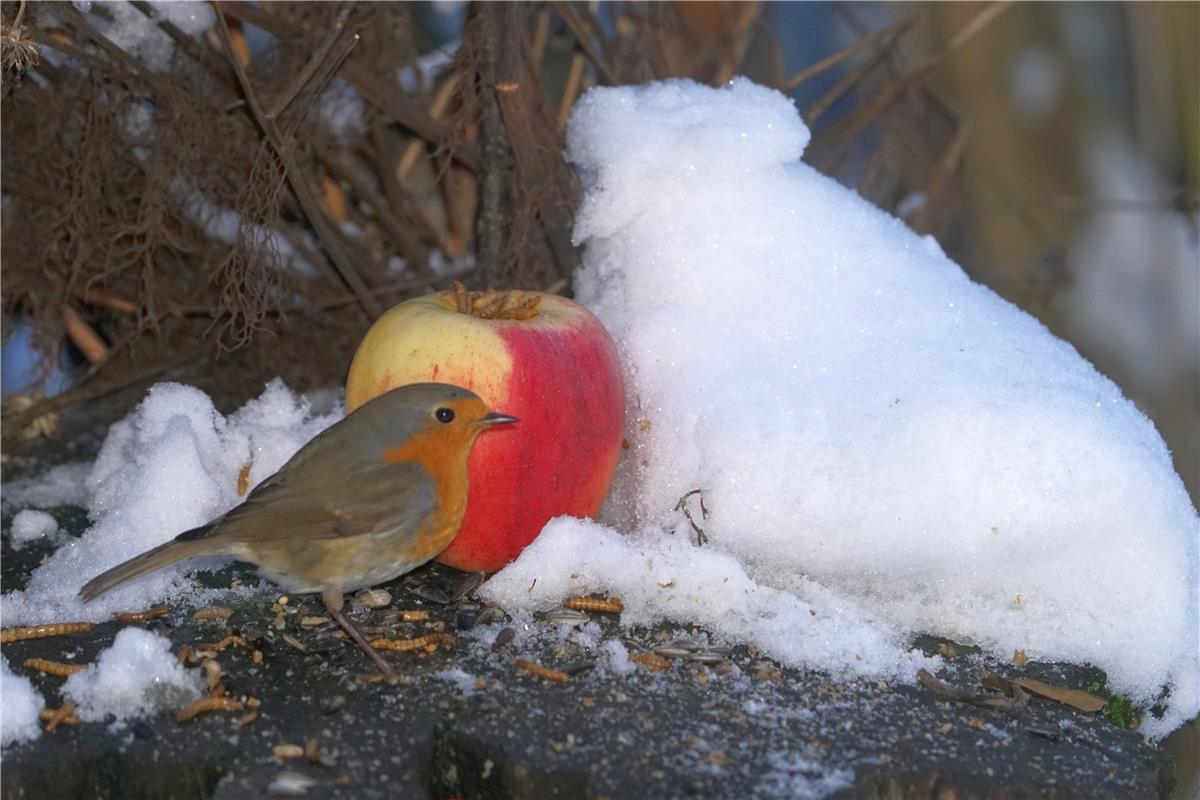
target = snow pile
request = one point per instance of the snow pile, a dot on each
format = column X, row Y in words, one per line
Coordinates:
column 460, row 679
column 20, row 707
column 660, row 577
column 135, row 677
column 877, row 437
column 169, row 466
column 30, row 525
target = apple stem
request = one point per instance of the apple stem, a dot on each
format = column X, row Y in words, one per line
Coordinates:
column 492, row 304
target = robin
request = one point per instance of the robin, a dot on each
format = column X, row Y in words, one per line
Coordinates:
column 374, row 496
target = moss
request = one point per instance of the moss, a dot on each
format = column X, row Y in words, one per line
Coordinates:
column 1121, row 712
column 1118, row 709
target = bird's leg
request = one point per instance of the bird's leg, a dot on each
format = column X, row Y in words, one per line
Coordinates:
column 333, row 601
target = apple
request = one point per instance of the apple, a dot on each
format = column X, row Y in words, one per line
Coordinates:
column 539, row 357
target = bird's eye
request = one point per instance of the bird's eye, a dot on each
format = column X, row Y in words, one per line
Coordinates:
column 444, row 415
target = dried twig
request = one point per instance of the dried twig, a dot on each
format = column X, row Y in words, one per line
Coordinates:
column 584, row 38
column 329, row 234
column 318, row 58
column 374, row 89
column 94, row 389
column 935, row 183
column 1012, row 706
column 818, row 108
column 889, row 32
column 845, row 131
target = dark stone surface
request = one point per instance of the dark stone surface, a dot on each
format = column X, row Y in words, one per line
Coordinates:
column 746, row 728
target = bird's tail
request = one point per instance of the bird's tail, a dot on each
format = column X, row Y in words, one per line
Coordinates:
column 186, row 545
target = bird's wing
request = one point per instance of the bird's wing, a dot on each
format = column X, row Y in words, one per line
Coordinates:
column 379, row 498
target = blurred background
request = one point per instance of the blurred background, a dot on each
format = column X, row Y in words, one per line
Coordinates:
column 226, row 198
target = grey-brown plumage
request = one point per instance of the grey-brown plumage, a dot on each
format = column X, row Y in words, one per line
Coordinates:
column 375, row 495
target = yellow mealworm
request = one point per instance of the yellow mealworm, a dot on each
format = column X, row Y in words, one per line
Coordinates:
column 58, row 668
column 247, row 718
column 228, row 641
column 63, row 715
column 212, row 675
column 404, row 645
column 43, row 631
column 206, row 704
column 288, row 751
column 612, row 605
column 414, row 616
column 541, row 672
column 216, row 612
column 128, row 617
column 652, row 661
column 243, row 479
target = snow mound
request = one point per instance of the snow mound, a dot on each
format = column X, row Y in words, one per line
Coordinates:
column 172, row 464
column 136, row 676
column 29, row 525
column 22, row 704
column 875, row 434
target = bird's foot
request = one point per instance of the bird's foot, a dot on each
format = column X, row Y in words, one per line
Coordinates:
column 355, row 633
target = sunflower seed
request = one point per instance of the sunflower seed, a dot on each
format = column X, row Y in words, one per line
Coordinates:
column 505, row 636
column 577, row 667
column 291, row 783
column 565, row 616
column 373, row 598
column 672, row 652
column 437, row 593
column 688, row 644
column 465, row 585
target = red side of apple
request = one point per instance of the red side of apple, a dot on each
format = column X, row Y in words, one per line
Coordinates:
column 558, row 373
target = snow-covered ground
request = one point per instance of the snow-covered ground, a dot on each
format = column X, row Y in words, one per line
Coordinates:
column 884, row 447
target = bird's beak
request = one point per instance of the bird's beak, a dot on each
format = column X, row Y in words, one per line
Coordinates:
column 495, row 418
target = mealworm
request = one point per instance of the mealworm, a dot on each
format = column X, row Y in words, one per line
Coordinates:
column 128, row 617
column 206, row 704
column 541, row 672
column 243, row 479
column 404, row 645
column 414, row 616
column 43, row 631
column 63, row 715
column 612, row 605
column 653, row 661
column 58, row 668
column 229, row 641
column 288, row 751
column 216, row 612
column 212, row 673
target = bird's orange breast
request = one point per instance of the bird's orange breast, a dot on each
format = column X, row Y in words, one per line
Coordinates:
column 444, row 456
